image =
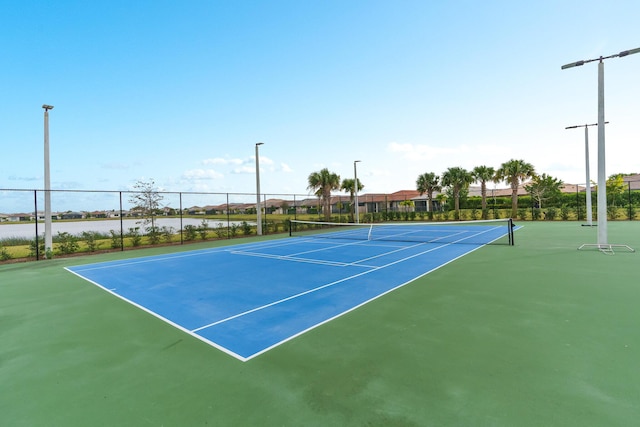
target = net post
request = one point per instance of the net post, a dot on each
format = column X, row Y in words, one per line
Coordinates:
column 511, row 241
column 290, row 228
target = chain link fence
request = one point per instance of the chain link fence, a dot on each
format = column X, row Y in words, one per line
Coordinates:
column 92, row 221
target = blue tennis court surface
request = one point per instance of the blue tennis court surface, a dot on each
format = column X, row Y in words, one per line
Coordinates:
column 246, row 299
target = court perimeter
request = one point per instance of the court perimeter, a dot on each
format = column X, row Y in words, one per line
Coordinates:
column 535, row 334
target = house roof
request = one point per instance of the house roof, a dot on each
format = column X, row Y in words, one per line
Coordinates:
column 633, row 180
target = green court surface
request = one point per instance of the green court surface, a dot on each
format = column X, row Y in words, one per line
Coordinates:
column 538, row 334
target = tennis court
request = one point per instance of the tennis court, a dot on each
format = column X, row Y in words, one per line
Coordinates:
column 247, row 299
column 535, row 334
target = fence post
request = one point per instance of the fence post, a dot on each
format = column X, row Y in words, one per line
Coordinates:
column 630, row 209
column 121, row 225
column 35, row 207
column 181, row 226
column 228, row 219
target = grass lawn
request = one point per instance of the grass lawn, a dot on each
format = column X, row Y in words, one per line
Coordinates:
column 539, row 334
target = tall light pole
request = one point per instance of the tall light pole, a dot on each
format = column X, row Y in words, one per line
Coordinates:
column 258, row 207
column 588, row 178
column 48, row 238
column 355, row 190
column 602, row 177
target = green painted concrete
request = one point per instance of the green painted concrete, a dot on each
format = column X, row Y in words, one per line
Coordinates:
column 539, row 334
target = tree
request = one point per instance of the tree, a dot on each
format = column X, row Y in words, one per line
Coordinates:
column 615, row 188
column 457, row 179
column 322, row 183
column 146, row 199
column 409, row 205
column 442, row 199
column 514, row 172
column 348, row 185
column 483, row 174
column 544, row 187
column 428, row 183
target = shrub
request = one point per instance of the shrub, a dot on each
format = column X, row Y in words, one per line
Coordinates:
column 67, row 243
column 89, row 238
column 522, row 214
column 234, row 229
column 246, row 228
column 153, row 233
column 167, row 233
column 536, row 214
column 134, row 235
column 190, row 232
column 4, row 254
column 203, row 229
column 550, row 214
column 115, row 239
column 34, row 247
column 564, row 212
column 221, row 231
column 612, row 212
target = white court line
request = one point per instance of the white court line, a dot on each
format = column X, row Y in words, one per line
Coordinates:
column 186, row 254
column 292, row 258
column 235, row 316
column 357, row 263
column 271, row 304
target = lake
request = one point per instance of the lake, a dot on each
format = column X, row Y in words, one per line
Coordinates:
column 24, row 230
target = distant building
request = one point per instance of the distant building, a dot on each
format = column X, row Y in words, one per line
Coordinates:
column 72, row 215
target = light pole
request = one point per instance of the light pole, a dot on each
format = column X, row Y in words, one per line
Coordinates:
column 602, row 178
column 48, row 238
column 355, row 190
column 588, row 179
column 258, row 207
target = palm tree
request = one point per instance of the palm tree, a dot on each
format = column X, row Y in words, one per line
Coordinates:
column 442, row 200
column 457, row 179
column 514, row 172
column 483, row 174
column 428, row 183
column 323, row 182
column 348, row 184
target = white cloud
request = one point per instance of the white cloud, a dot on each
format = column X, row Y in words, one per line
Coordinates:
column 245, row 169
column 421, row 152
column 221, row 161
column 285, row 168
column 264, row 161
column 202, row 174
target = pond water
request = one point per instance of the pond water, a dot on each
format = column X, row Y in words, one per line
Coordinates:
column 24, row 230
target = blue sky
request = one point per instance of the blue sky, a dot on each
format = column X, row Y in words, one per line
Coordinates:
column 180, row 91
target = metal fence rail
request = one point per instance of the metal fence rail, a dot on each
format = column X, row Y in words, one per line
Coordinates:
column 232, row 214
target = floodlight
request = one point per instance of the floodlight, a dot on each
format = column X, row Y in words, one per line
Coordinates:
column 573, row 64
column 628, row 52
column 602, row 244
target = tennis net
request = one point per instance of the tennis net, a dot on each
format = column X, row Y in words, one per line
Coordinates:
column 480, row 232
